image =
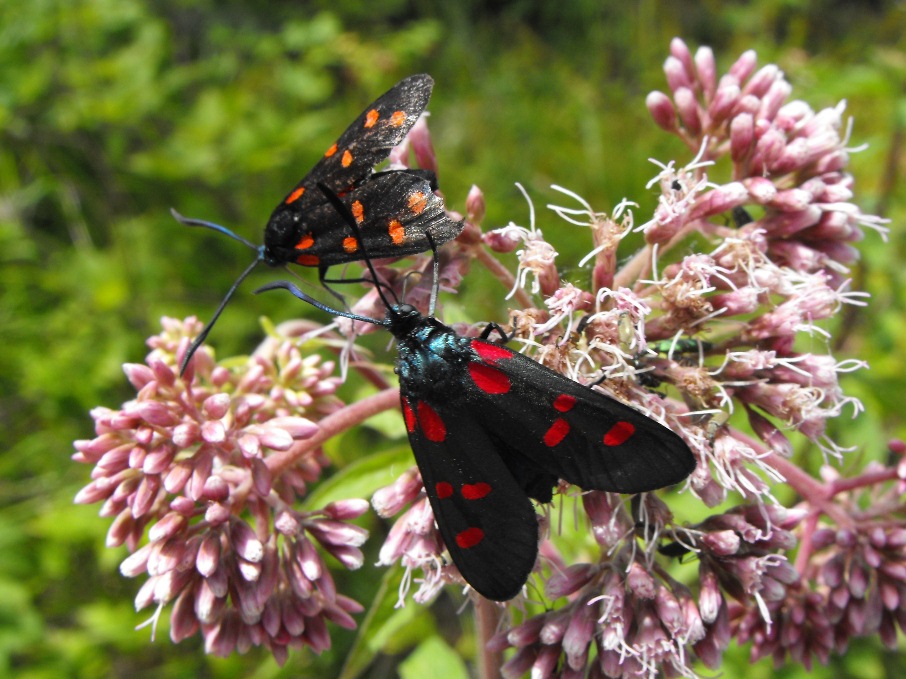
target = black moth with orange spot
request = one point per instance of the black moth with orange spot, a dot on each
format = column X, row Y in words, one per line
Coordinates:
column 492, row 429
column 399, row 207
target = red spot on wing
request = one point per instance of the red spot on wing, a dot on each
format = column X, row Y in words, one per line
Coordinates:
column 564, row 403
column 556, row 433
column 329, row 152
column 619, row 433
column 398, row 118
column 488, row 379
column 346, row 161
column 308, row 260
column 295, row 195
column 443, row 490
column 350, row 244
column 475, row 491
column 409, row 416
column 371, row 118
column 433, row 427
column 470, row 537
column 491, row 352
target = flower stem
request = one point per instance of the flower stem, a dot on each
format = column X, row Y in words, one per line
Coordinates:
column 487, row 621
column 333, row 424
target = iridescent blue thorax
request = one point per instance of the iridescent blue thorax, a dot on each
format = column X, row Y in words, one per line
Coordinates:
column 431, row 354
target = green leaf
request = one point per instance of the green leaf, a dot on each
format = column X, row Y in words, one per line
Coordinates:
column 387, row 628
column 362, row 477
column 434, row 658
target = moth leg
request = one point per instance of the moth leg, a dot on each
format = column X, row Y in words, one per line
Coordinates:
column 505, row 336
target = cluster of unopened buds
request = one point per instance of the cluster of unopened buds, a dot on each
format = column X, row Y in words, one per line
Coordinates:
column 212, row 465
column 185, row 472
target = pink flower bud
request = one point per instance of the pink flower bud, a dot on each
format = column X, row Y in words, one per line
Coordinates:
column 155, row 413
column 710, row 598
column 177, row 477
column 721, row 543
column 216, row 406
column 186, row 434
column 579, row 634
column 677, row 76
column 742, row 136
column 569, row 580
column 525, row 633
column 245, row 542
column 744, row 66
column 420, row 140
column 171, row 524
column 687, row 107
column 785, row 224
column 136, row 563
column 297, row 427
column 724, row 104
column 761, row 82
column 216, row 514
column 721, row 199
column 213, row 431
column 555, row 626
column 661, row 108
column 706, row 68
column 138, row 375
column 740, row 301
column 475, row 205
column 774, row 99
column 680, row 51
column 183, row 622
column 344, row 510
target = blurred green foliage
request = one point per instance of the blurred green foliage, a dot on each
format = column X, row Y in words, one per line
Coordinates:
column 112, row 111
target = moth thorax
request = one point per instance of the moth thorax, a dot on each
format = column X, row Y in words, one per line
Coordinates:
column 279, row 236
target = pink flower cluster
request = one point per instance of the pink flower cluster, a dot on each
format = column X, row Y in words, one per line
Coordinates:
column 189, row 463
column 745, row 255
column 716, row 328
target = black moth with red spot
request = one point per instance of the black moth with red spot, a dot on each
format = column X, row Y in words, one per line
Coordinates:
column 399, row 206
column 492, row 429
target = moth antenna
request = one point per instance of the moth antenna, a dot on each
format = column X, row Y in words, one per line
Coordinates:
column 344, row 210
column 188, row 221
column 197, row 342
column 435, row 286
column 286, row 285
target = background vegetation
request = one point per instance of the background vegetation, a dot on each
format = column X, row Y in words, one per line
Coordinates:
column 112, row 111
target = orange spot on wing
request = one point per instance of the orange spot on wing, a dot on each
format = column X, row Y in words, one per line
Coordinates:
column 295, row 195
column 329, row 152
column 305, row 242
column 350, row 244
column 358, row 211
column 371, row 118
column 398, row 119
column 397, row 232
column 418, row 201
column 347, row 158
